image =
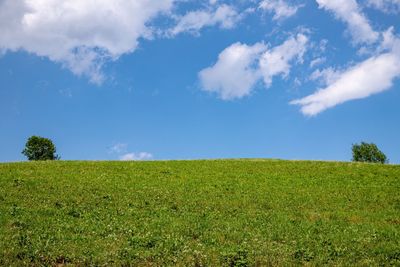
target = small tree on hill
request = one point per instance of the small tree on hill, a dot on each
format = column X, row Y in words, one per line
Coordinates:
column 365, row 152
column 40, row 148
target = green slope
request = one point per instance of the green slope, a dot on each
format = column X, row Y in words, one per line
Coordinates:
column 199, row 213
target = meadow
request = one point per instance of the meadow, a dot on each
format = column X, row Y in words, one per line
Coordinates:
column 199, row 213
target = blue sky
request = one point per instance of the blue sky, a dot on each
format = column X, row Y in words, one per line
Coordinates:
column 168, row 79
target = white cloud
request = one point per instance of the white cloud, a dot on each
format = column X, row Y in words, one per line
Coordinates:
column 326, row 76
column 372, row 76
column 280, row 8
column 317, row 61
column 387, row 6
column 213, row 2
column 390, row 42
column 349, row 12
column 136, row 156
column 235, row 72
column 225, row 16
column 369, row 77
column 81, row 35
column 119, row 148
column 240, row 67
column 277, row 60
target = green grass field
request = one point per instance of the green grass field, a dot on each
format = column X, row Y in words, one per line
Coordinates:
column 199, row 213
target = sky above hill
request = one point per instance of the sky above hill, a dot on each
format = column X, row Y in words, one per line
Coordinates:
column 181, row 79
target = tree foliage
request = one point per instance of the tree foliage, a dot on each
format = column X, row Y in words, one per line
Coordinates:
column 40, row 148
column 365, row 152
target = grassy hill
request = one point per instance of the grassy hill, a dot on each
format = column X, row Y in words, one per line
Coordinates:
column 199, row 213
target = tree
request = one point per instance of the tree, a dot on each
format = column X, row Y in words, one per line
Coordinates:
column 365, row 152
column 40, row 148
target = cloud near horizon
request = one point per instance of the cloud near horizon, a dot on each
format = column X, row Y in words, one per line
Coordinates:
column 118, row 148
column 136, row 156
